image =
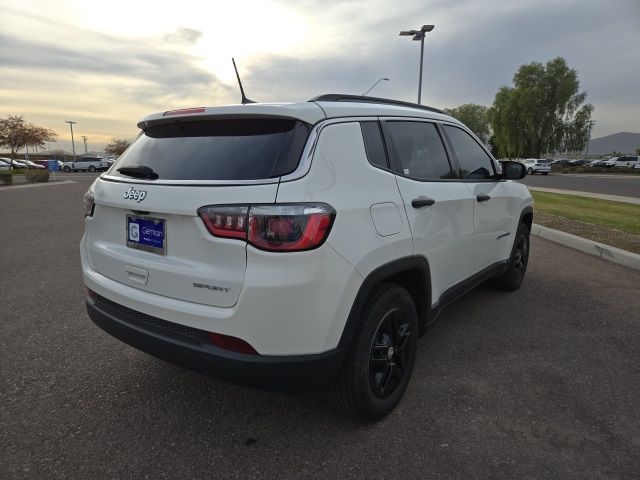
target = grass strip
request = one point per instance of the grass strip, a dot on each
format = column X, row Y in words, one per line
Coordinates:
column 606, row 213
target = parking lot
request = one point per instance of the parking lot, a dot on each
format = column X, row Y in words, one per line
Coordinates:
column 540, row 383
column 608, row 184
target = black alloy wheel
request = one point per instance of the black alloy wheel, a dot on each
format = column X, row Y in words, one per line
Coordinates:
column 381, row 356
column 389, row 354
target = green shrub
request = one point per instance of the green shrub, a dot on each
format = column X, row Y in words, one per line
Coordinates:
column 6, row 178
column 37, row 175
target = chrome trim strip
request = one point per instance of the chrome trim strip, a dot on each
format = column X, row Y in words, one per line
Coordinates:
column 192, row 183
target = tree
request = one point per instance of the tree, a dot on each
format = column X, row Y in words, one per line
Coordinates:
column 473, row 116
column 15, row 134
column 542, row 112
column 117, row 146
column 637, row 151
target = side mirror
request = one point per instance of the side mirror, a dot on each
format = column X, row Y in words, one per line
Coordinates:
column 513, row 170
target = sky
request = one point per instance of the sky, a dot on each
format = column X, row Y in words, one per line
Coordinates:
column 107, row 64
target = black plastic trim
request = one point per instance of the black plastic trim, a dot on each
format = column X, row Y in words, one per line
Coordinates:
column 340, row 97
column 375, row 278
column 190, row 348
column 458, row 290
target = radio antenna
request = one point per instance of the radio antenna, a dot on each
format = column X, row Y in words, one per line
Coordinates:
column 245, row 100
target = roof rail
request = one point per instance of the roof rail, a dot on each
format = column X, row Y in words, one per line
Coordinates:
column 338, row 97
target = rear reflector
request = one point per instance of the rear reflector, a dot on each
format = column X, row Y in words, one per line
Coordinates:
column 184, row 111
column 231, row 343
column 275, row 228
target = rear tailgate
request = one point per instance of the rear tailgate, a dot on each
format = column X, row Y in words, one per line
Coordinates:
column 195, row 266
column 153, row 192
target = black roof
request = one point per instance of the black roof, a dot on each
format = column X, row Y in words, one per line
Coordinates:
column 339, row 97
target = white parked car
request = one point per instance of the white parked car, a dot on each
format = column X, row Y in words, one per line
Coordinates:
column 91, row 164
column 628, row 161
column 534, row 165
column 5, row 163
column 299, row 246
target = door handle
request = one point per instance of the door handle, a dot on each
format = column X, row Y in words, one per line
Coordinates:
column 422, row 202
column 483, row 197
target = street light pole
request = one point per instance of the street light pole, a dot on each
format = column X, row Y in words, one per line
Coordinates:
column 84, row 139
column 73, row 145
column 419, row 35
column 372, row 86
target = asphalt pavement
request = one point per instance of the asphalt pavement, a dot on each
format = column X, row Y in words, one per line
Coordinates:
column 542, row 383
column 624, row 185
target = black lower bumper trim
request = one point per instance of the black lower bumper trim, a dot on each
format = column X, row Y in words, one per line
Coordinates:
column 197, row 353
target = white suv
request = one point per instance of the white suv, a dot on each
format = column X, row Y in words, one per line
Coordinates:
column 299, row 246
column 537, row 166
column 91, row 164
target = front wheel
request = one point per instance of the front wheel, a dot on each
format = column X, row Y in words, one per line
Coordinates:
column 530, row 171
column 513, row 276
column 92, row 168
column 381, row 356
column 66, row 169
column 545, row 173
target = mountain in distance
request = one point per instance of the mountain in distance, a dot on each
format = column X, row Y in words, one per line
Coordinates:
column 625, row 142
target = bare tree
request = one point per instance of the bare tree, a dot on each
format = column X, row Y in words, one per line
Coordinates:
column 116, row 146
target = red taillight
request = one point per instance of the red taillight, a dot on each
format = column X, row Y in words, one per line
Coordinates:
column 231, row 343
column 226, row 222
column 88, row 204
column 184, row 111
column 276, row 228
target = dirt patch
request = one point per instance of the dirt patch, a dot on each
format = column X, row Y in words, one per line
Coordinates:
column 608, row 236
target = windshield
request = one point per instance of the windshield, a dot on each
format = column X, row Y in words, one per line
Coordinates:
column 232, row 149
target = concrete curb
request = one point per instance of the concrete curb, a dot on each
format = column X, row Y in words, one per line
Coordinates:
column 607, row 252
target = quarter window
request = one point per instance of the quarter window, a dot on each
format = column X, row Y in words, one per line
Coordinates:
column 373, row 144
column 419, row 150
column 474, row 161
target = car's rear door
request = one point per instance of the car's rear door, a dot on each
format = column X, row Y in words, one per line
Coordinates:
column 439, row 208
column 146, row 233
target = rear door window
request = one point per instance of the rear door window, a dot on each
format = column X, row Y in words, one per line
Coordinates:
column 232, row 149
column 419, row 150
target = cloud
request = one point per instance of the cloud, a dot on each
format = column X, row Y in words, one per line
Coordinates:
column 183, row 35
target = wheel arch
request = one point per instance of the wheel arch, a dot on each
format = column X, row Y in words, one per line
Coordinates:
column 411, row 273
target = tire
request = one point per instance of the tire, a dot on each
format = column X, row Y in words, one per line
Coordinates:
column 66, row 169
column 530, row 171
column 92, row 168
column 380, row 360
column 545, row 173
column 513, row 276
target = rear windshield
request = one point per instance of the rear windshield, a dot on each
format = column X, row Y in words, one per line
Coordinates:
column 233, row 149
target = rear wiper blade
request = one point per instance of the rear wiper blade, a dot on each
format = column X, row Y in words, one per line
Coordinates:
column 139, row 171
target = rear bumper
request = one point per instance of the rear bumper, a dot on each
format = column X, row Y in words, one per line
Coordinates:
column 191, row 348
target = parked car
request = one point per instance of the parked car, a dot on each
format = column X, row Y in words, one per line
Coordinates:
column 31, row 164
column 300, row 245
column 91, row 164
column 19, row 164
column 534, row 165
column 45, row 163
column 4, row 165
column 562, row 162
column 596, row 163
column 577, row 163
column 626, row 161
